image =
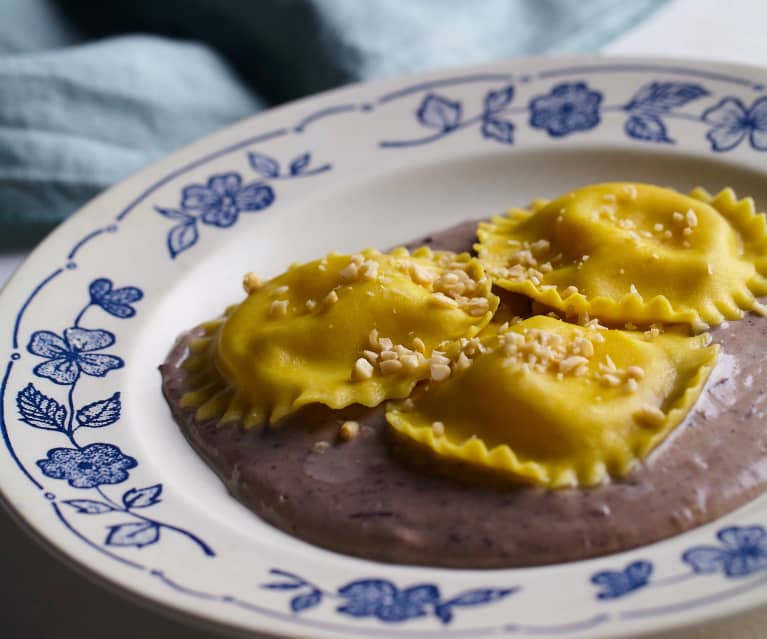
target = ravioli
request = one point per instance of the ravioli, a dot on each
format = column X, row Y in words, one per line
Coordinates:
column 633, row 253
column 343, row 330
column 556, row 404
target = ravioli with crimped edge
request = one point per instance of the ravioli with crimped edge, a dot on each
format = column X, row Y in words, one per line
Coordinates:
column 633, row 253
column 342, row 330
column 559, row 405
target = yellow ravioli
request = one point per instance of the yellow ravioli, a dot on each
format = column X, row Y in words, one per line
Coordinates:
column 634, row 253
column 556, row 404
column 339, row 331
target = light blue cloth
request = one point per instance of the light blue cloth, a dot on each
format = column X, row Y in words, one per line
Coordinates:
column 86, row 100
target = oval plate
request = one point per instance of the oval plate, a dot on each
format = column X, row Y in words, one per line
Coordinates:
column 94, row 464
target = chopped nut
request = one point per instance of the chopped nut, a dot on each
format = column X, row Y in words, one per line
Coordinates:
column 635, row 372
column 320, row 447
column 418, row 345
column 463, row 362
column 251, row 282
column 390, row 366
column 649, row 415
column 420, row 275
column 370, row 356
column 691, row 218
column 410, row 362
column 330, row 299
column 630, row 190
column 348, row 431
column 373, row 338
column 310, row 304
column 438, row 428
column 478, row 306
column 385, row 344
column 574, row 361
column 439, row 372
column 570, row 290
column 280, row 290
column 279, row 308
column 363, row 369
column 442, row 300
column 611, row 380
column 632, row 385
column 369, row 269
column 349, row 273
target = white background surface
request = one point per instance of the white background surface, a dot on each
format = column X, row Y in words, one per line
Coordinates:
column 49, row 600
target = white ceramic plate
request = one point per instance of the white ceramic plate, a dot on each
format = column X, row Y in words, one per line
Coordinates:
column 93, row 462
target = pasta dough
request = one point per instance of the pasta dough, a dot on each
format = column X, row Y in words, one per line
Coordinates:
column 633, row 253
column 339, row 331
column 556, row 404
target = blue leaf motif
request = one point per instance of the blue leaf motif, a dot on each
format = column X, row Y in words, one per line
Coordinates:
column 175, row 214
column 265, row 165
column 142, row 497
column 304, row 602
column 647, row 127
column 617, row 583
column 664, row 96
column 101, row 413
column 283, row 586
column 116, row 302
column 444, row 613
column 39, row 410
column 499, row 130
column 182, row 237
column 498, row 100
column 286, row 574
column 480, row 596
column 138, row 534
column 439, row 113
column 300, row 163
column 89, row 506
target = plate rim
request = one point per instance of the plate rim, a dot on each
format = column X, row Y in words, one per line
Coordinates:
column 143, row 175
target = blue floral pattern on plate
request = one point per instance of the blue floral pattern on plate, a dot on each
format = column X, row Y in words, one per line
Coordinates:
column 382, row 599
column 88, row 467
column 743, row 552
column 506, row 110
column 733, row 122
column 568, row 108
column 97, row 464
column 220, row 201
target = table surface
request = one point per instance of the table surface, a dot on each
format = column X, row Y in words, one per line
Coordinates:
column 40, row 596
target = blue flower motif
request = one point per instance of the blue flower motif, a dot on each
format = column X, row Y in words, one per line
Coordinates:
column 70, row 355
column 743, row 552
column 88, row 467
column 617, row 583
column 382, row 599
column 568, row 108
column 733, row 122
column 222, row 200
column 117, row 301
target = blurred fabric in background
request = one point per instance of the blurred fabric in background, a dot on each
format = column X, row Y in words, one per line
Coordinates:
column 92, row 91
